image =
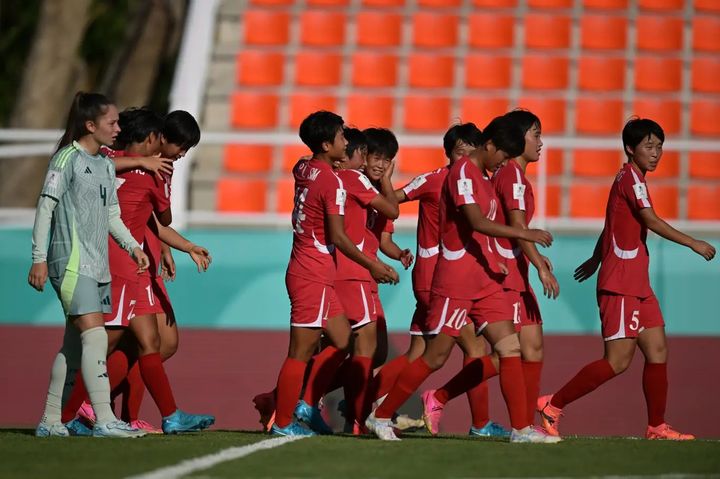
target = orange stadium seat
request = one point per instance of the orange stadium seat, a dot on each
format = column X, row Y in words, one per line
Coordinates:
column 327, row 3
column 487, row 71
column 434, row 29
column 704, row 115
column 553, row 197
column 603, row 32
column 481, row 109
column 417, row 160
column 588, row 200
column 547, row 31
column 544, row 72
column 291, row 154
column 260, row 68
column 266, row 27
column 317, row 68
column 703, row 202
column 253, row 110
column 661, row 4
column 378, row 29
column 551, row 112
column 426, row 70
column 271, row 3
column 601, row 73
column 490, row 30
column 302, row 104
column 439, row 3
column 364, row 111
column 553, row 163
column 383, row 3
column 409, row 209
column 239, row 195
column 665, row 200
column 659, row 33
column 284, row 195
column 706, row 33
column 247, row 158
column 668, row 113
column 705, row 74
column 605, row 4
column 370, row 69
column 427, row 113
column 658, row 73
column 550, row 3
column 495, row 3
column 598, row 115
column 669, row 165
column 707, row 5
column 705, row 165
column 322, row 28
column 602, row 163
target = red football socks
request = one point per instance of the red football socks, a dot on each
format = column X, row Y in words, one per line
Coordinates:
column 655, row 387
column 289, row 385
column 478, row 400
column 323, row 370
column 356, row 387
column 587, row 380
column 386, row 377
column 532, row 371
column 154, row 377
column 133, row 390
column 474, row 371
column 512, row 385
column 407, row 383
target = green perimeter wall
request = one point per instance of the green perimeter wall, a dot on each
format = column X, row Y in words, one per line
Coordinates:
column 245, row 288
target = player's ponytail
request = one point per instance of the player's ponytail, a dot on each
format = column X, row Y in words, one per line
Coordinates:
column 85, row 107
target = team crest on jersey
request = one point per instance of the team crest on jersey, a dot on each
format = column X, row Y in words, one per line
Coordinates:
column 418, row 181
column 518, row 191
column 640, row 191
column 464, row 186
column 52, row 179
column 340, row 195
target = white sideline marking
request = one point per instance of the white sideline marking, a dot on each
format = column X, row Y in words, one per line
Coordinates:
column 205, row 462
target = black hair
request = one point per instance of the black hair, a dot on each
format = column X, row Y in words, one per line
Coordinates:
column 637, row 129
column 468, row 133
column 525, row 119
column 320, row 127
column 180, row 128
column 136, row 124
column 355, row 141
column 381, row 141
column 506, row 135
column 85, row 107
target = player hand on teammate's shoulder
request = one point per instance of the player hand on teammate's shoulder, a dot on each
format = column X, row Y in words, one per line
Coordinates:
column 38, row 275
column 538, row 236
column 703, row 248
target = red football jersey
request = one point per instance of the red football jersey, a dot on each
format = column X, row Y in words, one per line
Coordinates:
column 377, row 224
column 319, row 192
column 426, row 189
column 139, row 194
column 464, row 269
column 360, row 192
column 515, row 193
column 625, row 258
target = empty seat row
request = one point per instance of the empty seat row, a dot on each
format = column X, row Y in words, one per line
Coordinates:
column 485, row 30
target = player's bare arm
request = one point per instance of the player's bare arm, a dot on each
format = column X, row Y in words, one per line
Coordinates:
column 200, row 255
column 480, row 223
column 393, row 251
column 164, row 218
column 401, row 196
column 381, row 272
column 551, row 288
column 590, row 266
column 662, row 228
column 154, row 164
column 387, row 199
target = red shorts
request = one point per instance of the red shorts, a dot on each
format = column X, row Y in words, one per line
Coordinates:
column 450, row 315
column 162, row 303
column 627, row 316
column 311, row 303
column 358, row 301
column 419, row 325
column 379, row 311
column 526, row 311
column 130, row 297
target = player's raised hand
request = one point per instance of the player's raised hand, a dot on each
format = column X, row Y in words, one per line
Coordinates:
column 541, row 237
column 406, row 258
column 38, row 275
column 389, row 170
column 587, row 269
column 141, row 260
column 157, row 165
column 167, row 265
column 706, row 250
column 551, row 287
column 201, row 257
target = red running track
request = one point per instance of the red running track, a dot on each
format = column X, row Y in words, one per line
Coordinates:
column 219, row 371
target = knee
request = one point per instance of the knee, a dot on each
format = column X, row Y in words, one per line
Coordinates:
column 436, row 359
column 657, row 353
column 508, row 346
column 168, row 350
column 532, row 352
column 149, row 344
column 620, row 364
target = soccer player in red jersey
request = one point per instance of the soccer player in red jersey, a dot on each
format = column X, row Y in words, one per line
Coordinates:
column 466, row 287
column 318, row 228
column 518, row 205
column 629, row 311
column 140, row 195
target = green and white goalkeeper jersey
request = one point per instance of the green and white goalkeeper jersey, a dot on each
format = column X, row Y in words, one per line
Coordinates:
column 84, row 187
